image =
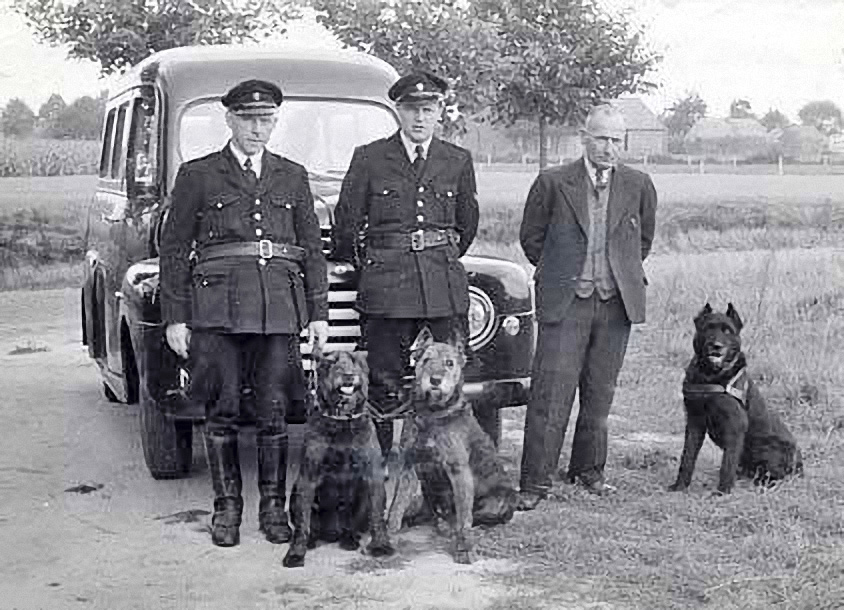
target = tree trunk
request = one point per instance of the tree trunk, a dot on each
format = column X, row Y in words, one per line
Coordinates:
column 543, row 143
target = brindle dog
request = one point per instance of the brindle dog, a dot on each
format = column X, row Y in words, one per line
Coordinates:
column 461, row 477
column 720, row 399
column 341, row 445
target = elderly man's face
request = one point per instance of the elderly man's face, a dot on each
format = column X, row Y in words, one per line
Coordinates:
column 419, row 119
column 602, row 138
column 251, row 132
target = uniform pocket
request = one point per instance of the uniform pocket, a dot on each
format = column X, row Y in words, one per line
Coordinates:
column 222, row 214
column 211, row 307
column 386, row 198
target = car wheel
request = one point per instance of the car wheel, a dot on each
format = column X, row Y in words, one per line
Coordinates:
column 489, row 418
column 167, row 442
column 110, row 396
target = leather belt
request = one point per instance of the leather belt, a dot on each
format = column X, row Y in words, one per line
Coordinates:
column 416, row 241
column 265, row 249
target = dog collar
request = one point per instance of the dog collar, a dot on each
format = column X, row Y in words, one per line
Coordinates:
column 457, row 408
column 735, row 387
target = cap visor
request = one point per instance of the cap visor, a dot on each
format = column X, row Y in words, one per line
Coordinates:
column 425, row 96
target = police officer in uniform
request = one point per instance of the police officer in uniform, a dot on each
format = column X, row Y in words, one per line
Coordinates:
column 415, row 196
column 242, row 274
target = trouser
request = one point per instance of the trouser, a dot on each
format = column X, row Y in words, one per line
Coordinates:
column 583, row 352
column 388, row 342
column 217, row 369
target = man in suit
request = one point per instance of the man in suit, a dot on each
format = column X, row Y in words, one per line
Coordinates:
column 242, row 274
column 415, row 194
column 587, row 226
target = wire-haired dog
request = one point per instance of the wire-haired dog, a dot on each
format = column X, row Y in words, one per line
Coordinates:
column 461, row 477
column 721, row 399
column 341, row 452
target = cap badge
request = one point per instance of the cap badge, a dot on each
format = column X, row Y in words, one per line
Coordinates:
column 420, row 86
column 256, row 96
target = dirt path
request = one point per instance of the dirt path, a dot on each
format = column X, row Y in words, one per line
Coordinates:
column 133, row 543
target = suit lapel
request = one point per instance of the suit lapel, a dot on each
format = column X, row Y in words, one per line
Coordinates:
column 573, row 186
column 395, row 152
column 617, row 200
column 438, row 160
column 229, row 169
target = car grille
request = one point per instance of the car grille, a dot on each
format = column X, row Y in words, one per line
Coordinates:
column 343, row 320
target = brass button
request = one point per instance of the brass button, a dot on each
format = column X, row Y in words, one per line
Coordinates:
column 219, row 204
column 257, row 202
column 259, row 232
column 257, row 216
column 421, row 189
column 420, row 203
column 420, row 218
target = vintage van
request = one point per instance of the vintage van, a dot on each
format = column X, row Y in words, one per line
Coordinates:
column 165, row 111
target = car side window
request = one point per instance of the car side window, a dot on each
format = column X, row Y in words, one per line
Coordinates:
column 119, row 151
column 105, row 156
column 142, row 149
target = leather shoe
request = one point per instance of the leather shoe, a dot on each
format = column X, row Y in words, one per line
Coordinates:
column 528, row 500
column 598, row 487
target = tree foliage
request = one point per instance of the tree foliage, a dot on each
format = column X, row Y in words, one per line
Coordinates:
column 18, row 118
column 120, row 33
column 824, row 115
column 740, row 109
column 546, row 61
column 774, row 119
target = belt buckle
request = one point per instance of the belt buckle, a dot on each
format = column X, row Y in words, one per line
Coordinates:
column 265, row 248
column 417, row 240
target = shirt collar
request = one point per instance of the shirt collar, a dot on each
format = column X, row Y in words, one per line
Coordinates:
column 242, row 156
column 592, row 170
column 410, row 145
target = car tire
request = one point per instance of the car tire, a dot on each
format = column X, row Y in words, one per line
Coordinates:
column 489, row 418
column 167, row 443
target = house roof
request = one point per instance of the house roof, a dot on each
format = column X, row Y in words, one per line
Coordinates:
column 637, row 116
column 715, row 129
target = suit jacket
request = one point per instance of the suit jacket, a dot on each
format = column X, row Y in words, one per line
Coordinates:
column 213, row 204
column 555, row 229
column 382, row 194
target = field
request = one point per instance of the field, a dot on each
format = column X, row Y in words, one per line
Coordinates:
column 42, row 157
column 772, row 245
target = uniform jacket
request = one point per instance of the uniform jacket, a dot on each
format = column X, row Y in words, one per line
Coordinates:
column 381, row 193
column 554, row 234
column 212, row 204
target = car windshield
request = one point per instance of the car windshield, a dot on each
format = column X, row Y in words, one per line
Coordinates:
column 319, row 134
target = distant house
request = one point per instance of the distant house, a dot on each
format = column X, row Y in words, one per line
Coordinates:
column 646, row 135
column 729, row 139
column 803, row 143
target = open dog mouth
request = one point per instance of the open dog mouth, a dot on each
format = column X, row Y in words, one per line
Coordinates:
column 347, row 390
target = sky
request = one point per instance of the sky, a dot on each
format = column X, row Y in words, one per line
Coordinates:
column 774, row 53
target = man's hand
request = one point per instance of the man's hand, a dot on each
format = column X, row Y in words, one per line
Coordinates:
column 317, row 336
column 178, row 338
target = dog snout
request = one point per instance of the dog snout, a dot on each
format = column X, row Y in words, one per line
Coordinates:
column 350, row 379
column 436, row 381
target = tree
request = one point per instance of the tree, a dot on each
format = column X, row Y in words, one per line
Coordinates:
column 740, row 109
column 18, row 118
column 81, row 120
column 120, row 33
column 774, row 119
column 824, row 115
column 546, row 62
column 681, row 116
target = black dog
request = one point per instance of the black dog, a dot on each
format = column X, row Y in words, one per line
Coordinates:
column 720, row 399
column 342, row 456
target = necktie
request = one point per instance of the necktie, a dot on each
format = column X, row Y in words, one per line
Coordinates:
column 419, row 162
column 249, row 174
column 602, row 178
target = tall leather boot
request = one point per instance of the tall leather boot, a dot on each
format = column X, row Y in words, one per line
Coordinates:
column 224, row 464
column 272, row 481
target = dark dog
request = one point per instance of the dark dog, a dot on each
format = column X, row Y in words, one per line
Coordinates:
column 461, row 478
column 341, row 452
column 720, row 399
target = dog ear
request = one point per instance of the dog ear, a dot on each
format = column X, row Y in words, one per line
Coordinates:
column 732, row 314
column 705, row 311
column 422, row 342
column 360, row 358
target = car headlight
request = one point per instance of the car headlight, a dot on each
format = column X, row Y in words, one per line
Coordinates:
column 481, row 318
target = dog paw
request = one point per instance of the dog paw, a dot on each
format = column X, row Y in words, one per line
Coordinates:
column 381, row 548
column 293, row 560
column 677, row 487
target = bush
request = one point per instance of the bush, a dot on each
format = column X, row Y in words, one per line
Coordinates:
column 34, row 157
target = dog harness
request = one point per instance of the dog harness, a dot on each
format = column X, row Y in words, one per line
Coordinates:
column 735, row 387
